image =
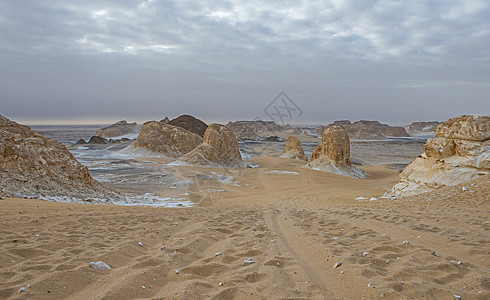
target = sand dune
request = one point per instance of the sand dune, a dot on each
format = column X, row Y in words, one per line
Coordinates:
column 294, row 224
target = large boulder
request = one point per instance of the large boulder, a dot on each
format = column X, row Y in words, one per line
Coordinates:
column 218, row 149
column 466, row 127
column 293, row 149
column 157, row 138
column 37, row 167
column 459, row 152
column 189, row 123
column 333, row 154
column 117, row 129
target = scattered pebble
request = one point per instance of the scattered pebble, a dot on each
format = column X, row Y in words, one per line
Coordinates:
column 464, row 189
column 365, row 253
column 387, row 261
column 336, row 265
column 141, row 244
column 22, row 289
column 273, row 241
column 373, row 199
column 28, row 286
column 247, row 262
column 456, row 296
column 100, row 265
column 341, row 272
column 218, row 254
column 221, row 284
column 335, row 238
column 406, row 242
column 433, row 253
column 143, row 286
column 460, row 262
column 177, row 272
column 368, row 285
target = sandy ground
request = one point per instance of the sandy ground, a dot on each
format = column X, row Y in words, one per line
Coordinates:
column 294, row 226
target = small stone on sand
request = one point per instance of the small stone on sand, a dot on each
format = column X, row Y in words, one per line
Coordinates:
column 336, row 265
column 100, row 265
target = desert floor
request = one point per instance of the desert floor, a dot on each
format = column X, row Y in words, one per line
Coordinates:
column 294, row 223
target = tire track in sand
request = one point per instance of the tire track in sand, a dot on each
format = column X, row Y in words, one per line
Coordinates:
column 289, row 243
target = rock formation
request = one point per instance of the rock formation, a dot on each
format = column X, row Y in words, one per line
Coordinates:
column 117, row 129
column 189, row 123
column 251, row 130
column 459, row 152
column 37, row 167
column 218, row 149
column 166, row 120
column 97, row 140
column 333, row 154
column 422, row 128
column 156, row 138
column 371, row 130
column 81, row 142
column 293, row 149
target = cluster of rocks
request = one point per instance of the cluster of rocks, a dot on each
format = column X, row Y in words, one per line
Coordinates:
column 117, row 129
column 459, row 152
column 332, row 155
column 97, row 140
column 37, row 167
column 251, row 130
column 218, row 147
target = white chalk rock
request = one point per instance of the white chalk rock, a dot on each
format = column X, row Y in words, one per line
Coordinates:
column 100, row 265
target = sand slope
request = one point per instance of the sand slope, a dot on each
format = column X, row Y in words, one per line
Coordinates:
column 293, row 222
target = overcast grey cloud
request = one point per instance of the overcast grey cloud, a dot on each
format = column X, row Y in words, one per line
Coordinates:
column 395, row 61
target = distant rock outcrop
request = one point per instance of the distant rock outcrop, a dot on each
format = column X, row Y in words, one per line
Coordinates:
column 117, row 129
column 459, row 152
column 166, row 120
column 189, row 123
column 218, row 149
column 163, row 139
column 293, row 149
column 81, row 142
column 251, row 130
column 97, row 140
column 37, row 167
column 422, row 128
column 371, row 130
column 333, row 154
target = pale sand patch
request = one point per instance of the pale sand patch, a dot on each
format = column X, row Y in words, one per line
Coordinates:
column 295, row 228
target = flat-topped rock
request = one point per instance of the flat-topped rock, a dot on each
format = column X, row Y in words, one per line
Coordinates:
column 117, row 129
column 251, row 130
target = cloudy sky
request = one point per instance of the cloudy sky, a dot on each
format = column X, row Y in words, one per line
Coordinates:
column 391, row 60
